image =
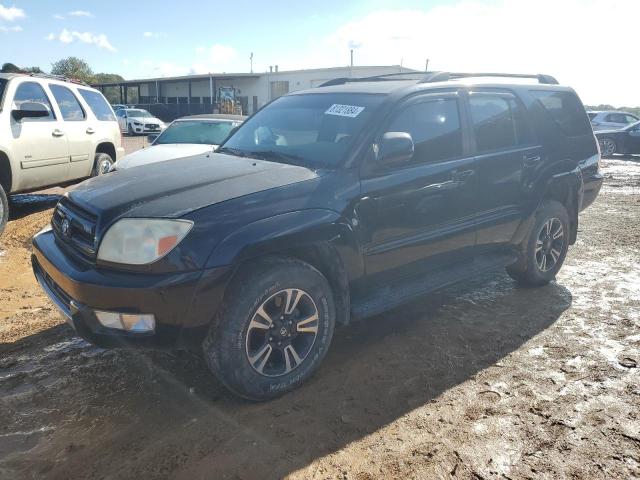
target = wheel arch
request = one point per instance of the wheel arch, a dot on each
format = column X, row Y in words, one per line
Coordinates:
column 321, row 238
column 107, row 147
column 6, row 174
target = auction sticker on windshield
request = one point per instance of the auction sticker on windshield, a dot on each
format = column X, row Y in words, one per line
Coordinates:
column 344, row 110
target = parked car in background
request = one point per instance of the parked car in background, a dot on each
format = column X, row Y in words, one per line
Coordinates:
column 328, row 204
column 52, row 132
column 611, row 120
column 118, row 106
column 136, row 121
column 624, row 141
column 184, row 137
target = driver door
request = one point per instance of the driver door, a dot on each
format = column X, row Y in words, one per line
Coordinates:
column 419, row 214
column 40, row 144
column 633, row 140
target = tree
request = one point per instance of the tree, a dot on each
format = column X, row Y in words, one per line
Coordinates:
column 10, row 68
column 74, row 68
column 111, row 93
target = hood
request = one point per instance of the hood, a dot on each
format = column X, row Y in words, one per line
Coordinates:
column 174, row 188
column 160, row 153
column 145, row 119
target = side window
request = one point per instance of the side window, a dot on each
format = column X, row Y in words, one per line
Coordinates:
column 120, row 113
column 33, row 92
column 630, row 119
column 616, row 118
column 435, row 128
column 498, row 122
column 98, row 105
column 566, row 110
column 70, row 108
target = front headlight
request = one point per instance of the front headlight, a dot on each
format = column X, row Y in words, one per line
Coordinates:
column 140, row 241
column 137, row 124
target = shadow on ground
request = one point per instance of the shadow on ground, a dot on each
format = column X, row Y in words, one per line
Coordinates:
column 83, row 412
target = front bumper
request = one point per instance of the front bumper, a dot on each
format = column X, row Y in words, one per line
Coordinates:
column 183, row 303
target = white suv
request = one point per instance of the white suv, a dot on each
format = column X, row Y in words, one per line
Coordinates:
column 52, row 132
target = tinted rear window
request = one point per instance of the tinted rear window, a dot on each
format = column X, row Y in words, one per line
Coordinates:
column 98, row 105
column 566, row 110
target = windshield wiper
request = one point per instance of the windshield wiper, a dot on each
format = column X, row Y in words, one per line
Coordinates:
column 272, row 155
column 233, row 151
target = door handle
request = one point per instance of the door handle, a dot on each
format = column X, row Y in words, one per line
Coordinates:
column 90, row 131
column 531, row 159
column 57, row 133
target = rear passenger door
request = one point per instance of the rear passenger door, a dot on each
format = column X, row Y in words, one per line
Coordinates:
column 506, row 156
column 79, row 135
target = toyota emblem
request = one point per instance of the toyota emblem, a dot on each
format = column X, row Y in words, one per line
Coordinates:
column 66, row 227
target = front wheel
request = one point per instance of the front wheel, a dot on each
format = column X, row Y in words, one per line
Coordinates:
column 4, row 209
column 546, row 247
column 273, row 329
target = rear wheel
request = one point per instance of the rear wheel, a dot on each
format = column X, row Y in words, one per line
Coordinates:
column 4, row 209
column 101, row 164
column 273, row 329
column 546, row 247
column 607, row 146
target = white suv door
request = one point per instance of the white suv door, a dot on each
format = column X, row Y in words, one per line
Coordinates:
column 79, row 131
column 39, row 144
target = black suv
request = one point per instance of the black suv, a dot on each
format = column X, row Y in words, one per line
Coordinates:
column 327, row 205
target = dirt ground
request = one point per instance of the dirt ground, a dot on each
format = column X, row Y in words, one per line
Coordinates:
column 482, row 380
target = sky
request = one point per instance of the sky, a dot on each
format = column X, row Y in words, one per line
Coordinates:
column 587, row 44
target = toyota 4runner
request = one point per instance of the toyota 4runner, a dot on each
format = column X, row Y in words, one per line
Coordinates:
column 328, row 204
column 53, row 131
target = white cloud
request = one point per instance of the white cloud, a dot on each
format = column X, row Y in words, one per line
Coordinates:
column 154, row 35
column 15, row 28
column 66, row 36
column 57, row 16
column 532, row 36
column 81, row 13
column 11, row 14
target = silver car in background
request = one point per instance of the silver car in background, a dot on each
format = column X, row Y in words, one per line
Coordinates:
column 611, row 119
column 184, row 137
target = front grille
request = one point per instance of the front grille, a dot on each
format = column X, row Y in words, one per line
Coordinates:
column 151, row 126
column 75, row 228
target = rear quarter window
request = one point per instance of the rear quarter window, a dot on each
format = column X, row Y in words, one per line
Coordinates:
column 98, row 105
column 566, row 110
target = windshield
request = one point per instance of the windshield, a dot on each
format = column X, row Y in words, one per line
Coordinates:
column 195, row 131
column 139, row 113
column 315, row 130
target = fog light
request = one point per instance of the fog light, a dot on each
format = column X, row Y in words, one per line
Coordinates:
column 129, row 322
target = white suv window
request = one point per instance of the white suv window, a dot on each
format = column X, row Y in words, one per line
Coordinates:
column 33, row 92
column 98, row 105
column 70, row 108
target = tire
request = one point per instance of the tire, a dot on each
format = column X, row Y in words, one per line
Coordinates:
column 545, row 249
column 130, row 131
column 4, row 209
column 255, row 361
column 101, row 164
column 607, row 146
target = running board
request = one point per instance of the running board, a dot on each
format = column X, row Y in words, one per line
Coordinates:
column 391, row 296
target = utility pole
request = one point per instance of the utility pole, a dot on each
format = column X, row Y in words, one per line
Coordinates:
column 351, row 69
column 426, row 66
column 251, row 60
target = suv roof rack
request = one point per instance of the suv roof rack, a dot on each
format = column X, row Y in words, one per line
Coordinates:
column 431, row 77
column 444, row 76
column 50, row 76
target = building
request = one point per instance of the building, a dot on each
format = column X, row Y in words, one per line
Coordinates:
column 173, row 97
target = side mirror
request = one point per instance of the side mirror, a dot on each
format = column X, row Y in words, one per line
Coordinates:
column 395, row 148
column 30, row 110
column 152, row 137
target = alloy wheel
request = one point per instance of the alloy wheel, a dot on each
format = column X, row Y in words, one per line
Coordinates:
column 549, row 244
column 104, row 167
column 607, row 147
column 282, row 332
